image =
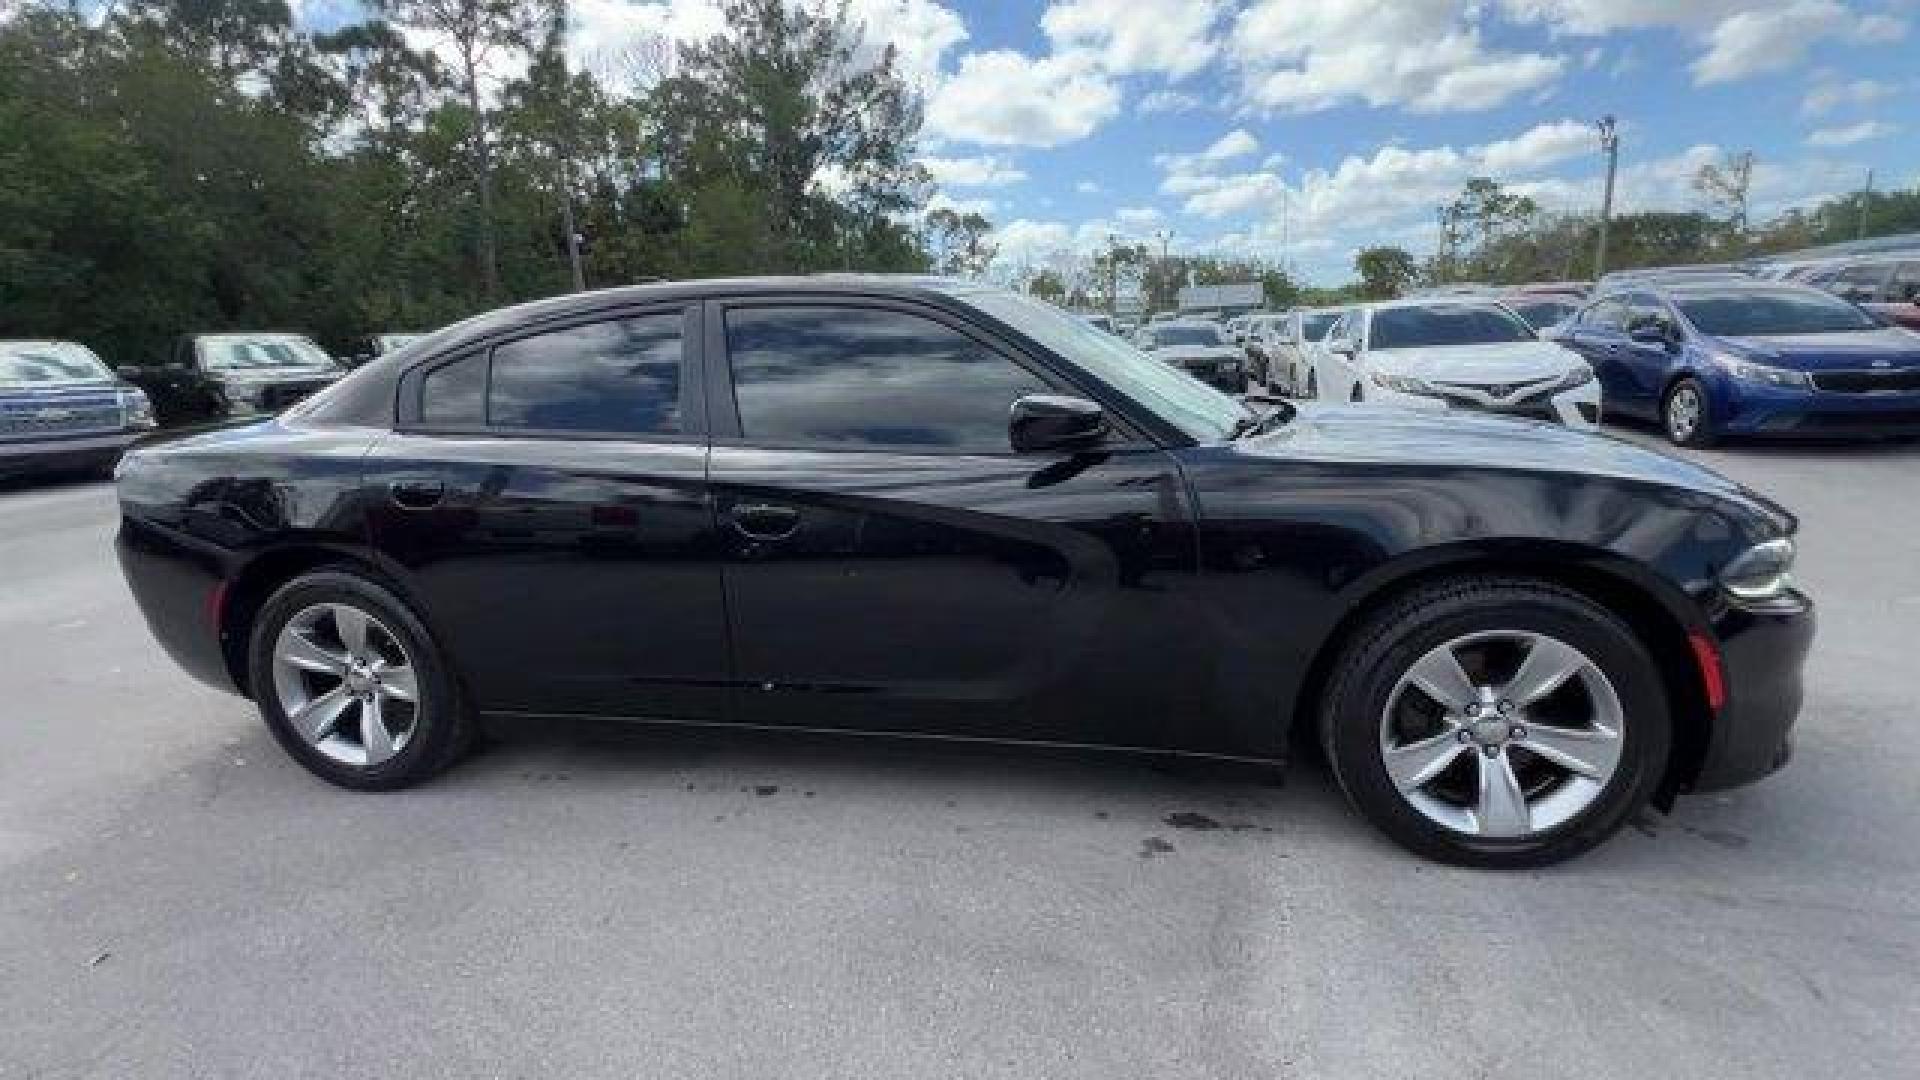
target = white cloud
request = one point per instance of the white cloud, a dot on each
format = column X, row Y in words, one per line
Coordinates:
column 1235, row 143
column 943, row 201
column 1538, row 147
column 1754, row 42
column 1168, row 101
column 1005, row 98
column 985, row 171
column 1425, row 55
column 1849, row 134
column 1827, row 95
column 1087, row 187
column 1139, row 217
column 1172, row 37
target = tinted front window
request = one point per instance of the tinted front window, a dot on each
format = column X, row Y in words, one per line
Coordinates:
column 620, row 376
column 1605, row 315
column 1905, row 287
column 1541, row 314
column 1314, row 327
column 1168, row 335
column 1761, row 312
column 870, row 378
column 48, row 363
column 242, row 353
column 1456, row 324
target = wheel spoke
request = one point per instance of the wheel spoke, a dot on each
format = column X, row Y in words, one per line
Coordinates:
column 303, row 652
column 352, row 625
column 1501, row 809
column 1439, row 674
column 1415, row 764
column 397, row 682
column 1548, row 666
column 373, row 731
column 316, row 719
column 1588, row 752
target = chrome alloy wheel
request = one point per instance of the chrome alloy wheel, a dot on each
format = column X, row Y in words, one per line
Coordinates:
column 1502, row 734
column 1684, row 411
column 345, row 683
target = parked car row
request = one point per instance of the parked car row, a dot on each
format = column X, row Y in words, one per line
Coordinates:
column 63, row 408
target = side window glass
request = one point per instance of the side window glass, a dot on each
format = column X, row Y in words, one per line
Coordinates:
column 869, row 377
column 455, row 394
column 1860, row 282
column 1905, row 286
column 616, row 377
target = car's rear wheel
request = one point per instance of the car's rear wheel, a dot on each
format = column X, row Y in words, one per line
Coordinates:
column 1313, row 385
column 1496, row 722
column 1686, row 416
column 352, row 685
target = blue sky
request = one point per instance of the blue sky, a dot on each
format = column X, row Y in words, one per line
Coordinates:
column 1300, row 130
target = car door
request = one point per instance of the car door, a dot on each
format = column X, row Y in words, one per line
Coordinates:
column 1647, row 364
column 544, row 499
column 1601, row 338
column 893, row 565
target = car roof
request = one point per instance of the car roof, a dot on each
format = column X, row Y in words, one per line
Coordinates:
column 1435, row 300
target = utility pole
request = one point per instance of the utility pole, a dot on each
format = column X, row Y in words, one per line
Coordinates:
column 1610, row 145
column 573, row 231
column 1113, row 278
column 1866, row 199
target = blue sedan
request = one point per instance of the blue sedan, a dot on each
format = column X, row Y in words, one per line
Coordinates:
column 1718, row 358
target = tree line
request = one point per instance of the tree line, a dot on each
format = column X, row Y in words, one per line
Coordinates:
column 201, row 165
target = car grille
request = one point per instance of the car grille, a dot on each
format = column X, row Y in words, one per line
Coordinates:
column 55, row 417
column 1869, row 381
column 1535, row 400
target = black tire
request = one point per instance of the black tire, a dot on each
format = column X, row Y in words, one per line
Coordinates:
column 1313, row 385
column 1382, row 650
column 1358, row 395
column 443, row 724
column 1701, row 433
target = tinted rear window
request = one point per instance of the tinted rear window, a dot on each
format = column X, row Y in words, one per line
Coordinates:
column 621, row 376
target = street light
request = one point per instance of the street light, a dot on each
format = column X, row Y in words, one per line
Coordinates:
column 1609, row 145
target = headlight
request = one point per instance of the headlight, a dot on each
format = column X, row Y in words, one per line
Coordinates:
column 1581, row 375
column 1748, row 371
column 137, row 407
column 1402, row 384
column 1762, row 572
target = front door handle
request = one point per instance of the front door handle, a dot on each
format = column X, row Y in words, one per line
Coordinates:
column 416, row 494
column 764, row 521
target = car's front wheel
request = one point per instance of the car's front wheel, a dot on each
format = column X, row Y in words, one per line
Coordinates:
column 1686, row 415
column 1496, row 722
column 352, row 685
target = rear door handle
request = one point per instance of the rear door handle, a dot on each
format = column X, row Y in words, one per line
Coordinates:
column 764, row 521
column 416, row 494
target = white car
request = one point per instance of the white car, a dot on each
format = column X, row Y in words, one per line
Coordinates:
column 1198, row 348
column 1279, row 347
column 1458, row 353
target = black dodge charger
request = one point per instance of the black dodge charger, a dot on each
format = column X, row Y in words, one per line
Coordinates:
column 923, row 508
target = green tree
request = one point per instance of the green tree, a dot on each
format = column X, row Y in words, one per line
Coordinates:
column 957, row 244
column 1384, row 271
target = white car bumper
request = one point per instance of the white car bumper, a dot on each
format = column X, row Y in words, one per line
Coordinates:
column 1577, row 408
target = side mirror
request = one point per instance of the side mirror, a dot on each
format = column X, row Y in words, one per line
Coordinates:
column 1055, row 422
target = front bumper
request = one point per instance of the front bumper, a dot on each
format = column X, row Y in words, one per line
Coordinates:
column 1762, row 653
column 1576, row 408
column 64, row 453
column 1769, row 411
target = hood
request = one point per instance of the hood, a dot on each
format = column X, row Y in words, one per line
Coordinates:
column 1887, row 346
column 1181, row 353
column 1512, row 362
column 302, row 373
column 92, row 388
column 1389, row 436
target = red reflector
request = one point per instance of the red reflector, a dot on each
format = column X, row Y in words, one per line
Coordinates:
column 217, row 605
column 1707, row 654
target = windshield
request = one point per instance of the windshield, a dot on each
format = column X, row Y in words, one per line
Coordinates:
column 1753, row 312
column 235, row 353
column 1203, row 413
column 1314, row 325
column 1445, row 324
column 1168, row 334
column 49, row 363
column 1541, row 314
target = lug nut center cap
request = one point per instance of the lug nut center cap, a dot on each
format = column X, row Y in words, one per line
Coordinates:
column 1489, row 732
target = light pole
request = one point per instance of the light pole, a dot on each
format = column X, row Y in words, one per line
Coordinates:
column 1610, row 145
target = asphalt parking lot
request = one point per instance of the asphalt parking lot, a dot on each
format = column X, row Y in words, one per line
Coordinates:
column 176, row 898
